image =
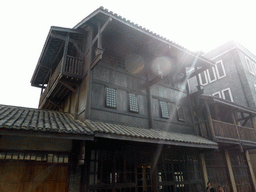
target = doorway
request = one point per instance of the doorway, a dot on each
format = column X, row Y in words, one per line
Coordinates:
column 144, row 178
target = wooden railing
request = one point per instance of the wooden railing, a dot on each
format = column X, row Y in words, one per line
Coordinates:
column 73, row 67
column 247, row 133
column 232, row 131
column 68, row 66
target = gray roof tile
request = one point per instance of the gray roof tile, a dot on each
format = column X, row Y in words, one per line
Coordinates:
column 124, row 130
column 12, row 117
column 21, row 118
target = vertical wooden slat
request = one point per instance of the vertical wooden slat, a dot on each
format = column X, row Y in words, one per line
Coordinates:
column 250, row 169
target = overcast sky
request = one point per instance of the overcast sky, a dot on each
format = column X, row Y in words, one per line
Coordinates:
column 196, row 25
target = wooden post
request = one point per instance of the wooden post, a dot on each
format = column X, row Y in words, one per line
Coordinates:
column 88, row 58
column 65, row 53
column 250, row 169
column 208, row 112
column 205, row 175
column 230, row 171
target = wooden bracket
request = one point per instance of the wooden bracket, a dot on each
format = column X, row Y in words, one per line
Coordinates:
column 68, row 86
column 100, row 30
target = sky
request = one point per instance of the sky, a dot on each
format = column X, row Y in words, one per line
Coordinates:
column 198, row 25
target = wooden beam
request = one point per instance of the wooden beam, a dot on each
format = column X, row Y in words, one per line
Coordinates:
column 208, row 113
column 52, row 102
column 230, row 171
column 70, row 40
column 251, row 169
column 203, row 163
column 101, row 30
column 96, row 60
column 152, row 82
column 68, row 86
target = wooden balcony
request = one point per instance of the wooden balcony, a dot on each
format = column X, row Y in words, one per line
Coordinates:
column 232, row 132
column 65, row 78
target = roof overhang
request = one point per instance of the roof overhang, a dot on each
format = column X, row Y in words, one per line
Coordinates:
column 51, row 53
column 156, row 141
column 135, row 134
column 186, row 57
column 213, row 99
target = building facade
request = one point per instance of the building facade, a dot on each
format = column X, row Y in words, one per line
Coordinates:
column 115, row 115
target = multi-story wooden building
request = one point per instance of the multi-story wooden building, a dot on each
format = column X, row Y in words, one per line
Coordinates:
column 226, row 113
column 114, row 115
column 233, row 77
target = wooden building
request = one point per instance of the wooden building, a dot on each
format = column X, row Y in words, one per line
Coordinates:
column 114, row 114
column 232, row 126
column 232, row 80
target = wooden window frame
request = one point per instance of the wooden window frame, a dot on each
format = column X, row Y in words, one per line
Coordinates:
column 133, row 103
column 217, row 93
column 164, row 109
column 206, row 79
column 249, row 65
column 180, row 113
column 217, row 69
column 109, row 101
column 214, row 74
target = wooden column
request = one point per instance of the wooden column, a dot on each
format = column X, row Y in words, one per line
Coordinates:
column 65, row 53
column 205, row 175
column 88, row 60
column 250, row 169
column 230, row 171
column 237, row 131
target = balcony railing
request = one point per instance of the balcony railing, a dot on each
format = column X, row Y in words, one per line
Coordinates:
column 232, row 131
column 68, row 67
column 73, row 67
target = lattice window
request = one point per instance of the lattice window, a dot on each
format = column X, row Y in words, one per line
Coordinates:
column 179, row 173
column 110, row 97
column 164, row 109
column 217, row 170
column 241, row 172
column 133, row 103
column 33, row 157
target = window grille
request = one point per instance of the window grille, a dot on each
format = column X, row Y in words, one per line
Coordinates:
column 33, row 157
column 164, row 109
column 110, row 97
column 133, row 102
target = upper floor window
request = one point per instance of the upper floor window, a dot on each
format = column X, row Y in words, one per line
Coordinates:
column 203, row 78
column 220, row 69
column 211, row 74
column 251, row 65
column 133, row 103
column 164, row 109
column 226, row 93
column 217, row 94
column 110, row 97
column 180, row 113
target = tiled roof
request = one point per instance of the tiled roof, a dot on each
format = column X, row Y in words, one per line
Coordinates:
column 123, row 130
column 21, row 118
column 137, row 26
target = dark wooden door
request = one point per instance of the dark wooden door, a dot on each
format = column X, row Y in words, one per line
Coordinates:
column 144, row 179
column 33, row 177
